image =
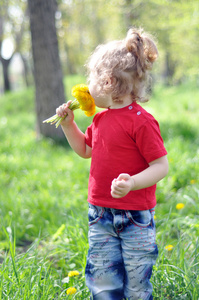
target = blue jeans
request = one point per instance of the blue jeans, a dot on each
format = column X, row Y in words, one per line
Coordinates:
column 122, row 252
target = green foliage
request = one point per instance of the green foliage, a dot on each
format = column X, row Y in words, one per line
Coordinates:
column 43, row 195
column 84, row 25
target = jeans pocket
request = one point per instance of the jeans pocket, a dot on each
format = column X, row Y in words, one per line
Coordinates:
column 95, row 213
column 141, row 218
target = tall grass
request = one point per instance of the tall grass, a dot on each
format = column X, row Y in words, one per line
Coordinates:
column 43, row 210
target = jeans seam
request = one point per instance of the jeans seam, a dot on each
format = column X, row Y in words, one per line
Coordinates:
column 133, row 222
column 120, row 230
column 101, row 215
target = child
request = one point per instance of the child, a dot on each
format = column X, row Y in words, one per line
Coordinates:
column 128, row 159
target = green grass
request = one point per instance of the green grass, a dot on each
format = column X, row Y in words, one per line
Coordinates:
column 43, row 212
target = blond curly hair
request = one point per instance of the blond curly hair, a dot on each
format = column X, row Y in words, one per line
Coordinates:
column 126, row 62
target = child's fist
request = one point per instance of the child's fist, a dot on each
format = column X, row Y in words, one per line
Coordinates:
column 122, row 185
column 64, row 111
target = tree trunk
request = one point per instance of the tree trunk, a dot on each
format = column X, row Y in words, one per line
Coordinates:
column 26, row 71
column 169, row 69
column 5, row 65
column 131, row 12
column 47, row 67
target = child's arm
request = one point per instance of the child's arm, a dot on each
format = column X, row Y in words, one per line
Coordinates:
column 125, row 183
column 74, row 135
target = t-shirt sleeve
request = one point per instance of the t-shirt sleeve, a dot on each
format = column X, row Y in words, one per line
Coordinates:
column 88, row 136
column 149, row 141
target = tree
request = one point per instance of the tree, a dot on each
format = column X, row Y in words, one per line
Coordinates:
column 47, row 67
column 5, row 62
column 13, row 25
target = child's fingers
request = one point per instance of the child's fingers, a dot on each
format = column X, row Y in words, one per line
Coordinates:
column 69, row 102
column 114, row 191
column 123, row 177
column 60, row 110
column 63, row 109
column 121, row 186
column 114, row 195
column 117, row 193
column 117, row 187
column 118, row 184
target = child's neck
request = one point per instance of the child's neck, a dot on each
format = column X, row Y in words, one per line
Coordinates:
column 121, row 102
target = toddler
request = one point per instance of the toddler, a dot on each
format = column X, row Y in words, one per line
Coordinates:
column 128, row 159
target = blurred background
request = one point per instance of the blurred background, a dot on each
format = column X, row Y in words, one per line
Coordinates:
column 49, row 40
column 43, row 42
column 83, row 24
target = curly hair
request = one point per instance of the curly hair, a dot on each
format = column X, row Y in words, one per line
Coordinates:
column 127, row 63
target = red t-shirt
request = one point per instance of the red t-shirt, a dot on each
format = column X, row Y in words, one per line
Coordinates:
column 123, row 140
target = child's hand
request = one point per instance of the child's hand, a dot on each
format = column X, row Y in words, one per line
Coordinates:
column 121, row 186
column 63, row 110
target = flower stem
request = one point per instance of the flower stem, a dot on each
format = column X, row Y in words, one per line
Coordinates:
column 56, row 119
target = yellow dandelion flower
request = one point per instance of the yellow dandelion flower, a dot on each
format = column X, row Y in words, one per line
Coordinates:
column 83, row 96
column 169, row 247
column 180, row 206
column 83, row 100
column 155, row 217
column 192, row 181
column 71, row 291
column 73, row 273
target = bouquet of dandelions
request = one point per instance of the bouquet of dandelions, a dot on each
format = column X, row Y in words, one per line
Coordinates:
column 83, row 100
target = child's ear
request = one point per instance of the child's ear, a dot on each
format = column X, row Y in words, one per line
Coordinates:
column 109, row 84
column 110, row 81
column 113, row 80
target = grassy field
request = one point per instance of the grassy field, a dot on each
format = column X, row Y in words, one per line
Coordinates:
column 43, row 212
